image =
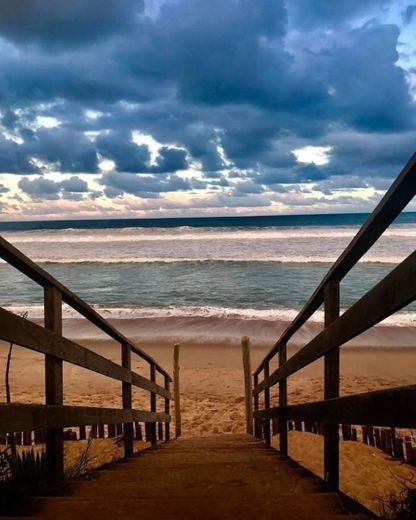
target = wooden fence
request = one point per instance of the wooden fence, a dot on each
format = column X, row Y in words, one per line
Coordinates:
column 47, row 422
column 393, row 408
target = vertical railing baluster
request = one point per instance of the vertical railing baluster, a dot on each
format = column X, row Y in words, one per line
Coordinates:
column 153, row 404
column 257, row 432
column 127, row 400
column 283, row 401
column 331, row 389
column 266, row 422
column 248, row 396
column 176, row 390
column 54, row 393
column 167, row 409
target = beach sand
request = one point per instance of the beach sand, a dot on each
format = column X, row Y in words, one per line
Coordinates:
column 212, row 391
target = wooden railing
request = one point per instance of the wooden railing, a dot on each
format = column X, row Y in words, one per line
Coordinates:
column 395, row 407
column 54, row 416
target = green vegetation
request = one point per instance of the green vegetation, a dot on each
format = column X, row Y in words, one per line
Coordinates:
column 22, row 477
column 401, row 506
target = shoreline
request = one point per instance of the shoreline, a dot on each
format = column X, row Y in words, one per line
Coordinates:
column 229, row 331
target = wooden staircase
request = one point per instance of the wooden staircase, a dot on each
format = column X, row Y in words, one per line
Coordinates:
column 219, row 477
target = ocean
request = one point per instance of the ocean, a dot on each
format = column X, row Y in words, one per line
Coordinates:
column 238, row 267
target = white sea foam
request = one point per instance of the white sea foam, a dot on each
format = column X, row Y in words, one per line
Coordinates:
column 129, row 235
column 199, row 260
column 277, row 314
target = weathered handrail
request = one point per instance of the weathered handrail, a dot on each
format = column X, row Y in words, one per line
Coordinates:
column 25, row 265
column 389, row 208
column 54, row 416
column 397, row 289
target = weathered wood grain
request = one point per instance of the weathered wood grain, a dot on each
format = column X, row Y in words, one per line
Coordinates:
column 393, row 407
column 176, row 391
column 30, row 335
column 394, row 292
column 127, row 401
column 20, row 417
column 331, row 390
column 248, row 400
column 54, row 385
column 26, row 266
column 394, row 201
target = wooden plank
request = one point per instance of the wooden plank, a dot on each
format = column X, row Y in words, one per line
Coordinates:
column 20, row 417
column 30, row 335
column 283, row 446
column 176, row 390
column 257, row 429
column 394, row 292
column 127, row 401
column 26, row 266
column 153, row 438
column 331, row 390
column 394, row 201
column 54, row 386
column 248, row 398
column 167, row 409
column 146, row 384
column 266, row 422
column 394, row 407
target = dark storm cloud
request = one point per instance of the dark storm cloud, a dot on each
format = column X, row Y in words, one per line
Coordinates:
column 14, row 158
column 409, row 13
column 71, row 23
column 315, row 13
column 132, row 158
column 40, row 188
column 117, row 183
column 75, row 185
column 71, row 151
column 216, row 83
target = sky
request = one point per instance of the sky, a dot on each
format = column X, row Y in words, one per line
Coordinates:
column 139, row 108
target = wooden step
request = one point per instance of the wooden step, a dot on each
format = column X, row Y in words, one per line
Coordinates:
column 223, row 477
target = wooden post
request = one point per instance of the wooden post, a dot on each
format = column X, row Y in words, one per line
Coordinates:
column 176, row 389
column 147, row 431
column 167, row 409
column 257, row 429
column 331, row 390
column 54, row 386
column 370, row 431
column 283, row 401
column 266, row 422
column 27, row 438
column 245, row 350
column 138, row 436
column 153, row 438
column 127, row 401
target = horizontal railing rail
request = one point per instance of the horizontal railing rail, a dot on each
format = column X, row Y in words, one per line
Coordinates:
column 53, row 416
column 394, row 407
column 25, row 265
column 394, row 292
column 15, row 329
column 389, row 208
column 26, row 417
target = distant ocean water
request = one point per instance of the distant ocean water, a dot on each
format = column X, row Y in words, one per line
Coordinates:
column 249, row 267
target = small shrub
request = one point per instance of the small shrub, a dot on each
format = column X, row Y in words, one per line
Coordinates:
column 80, row 467
column 402, row 505
column 22, row 477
